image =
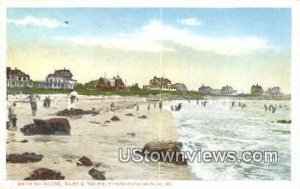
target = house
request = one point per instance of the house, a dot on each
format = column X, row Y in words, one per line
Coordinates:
column 180, row 87
column 256, row 90
column 228, row 90
column 116, row 83
column 207, row 90
column 17, row 78
column 60, row 79
column 274, row 92
column 204, row 89
column 160, row 83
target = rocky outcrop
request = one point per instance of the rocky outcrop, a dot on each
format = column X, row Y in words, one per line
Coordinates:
column 129, row 114
column 45, row 174
column 96, row 174
column 143, row 117
column 54, row 126
column 115, row 118
column 84, row 161
column 162, row 148
column 23, row 158
column 76, row 112
column 131, row 134
column 284, row 121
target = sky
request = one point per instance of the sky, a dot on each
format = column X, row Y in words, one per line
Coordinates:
column 211, row 46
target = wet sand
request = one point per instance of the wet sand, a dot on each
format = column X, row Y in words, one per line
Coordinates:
column 98, row 141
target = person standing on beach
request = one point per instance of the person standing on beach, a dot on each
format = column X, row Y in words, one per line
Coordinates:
column 45, row 103
column 266, row 107
column 160, row 105
column 12, row 116
column 137, row 107
column 33, row 104
column 72, row 98
column 48, row 101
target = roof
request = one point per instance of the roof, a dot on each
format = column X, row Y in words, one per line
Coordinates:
column 16, row 71
column 64, row 73
column 110, row 81
column 205, row 88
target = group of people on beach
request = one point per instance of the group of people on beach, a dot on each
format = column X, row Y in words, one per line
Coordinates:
column 11, row 122
column 240, row 104
column 204, row 104
column 271, row 108
column 177, row 107
column 149, row 106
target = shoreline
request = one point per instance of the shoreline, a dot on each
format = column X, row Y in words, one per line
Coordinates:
column 100, row 142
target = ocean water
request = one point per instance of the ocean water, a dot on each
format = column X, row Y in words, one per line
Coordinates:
column 219, row 126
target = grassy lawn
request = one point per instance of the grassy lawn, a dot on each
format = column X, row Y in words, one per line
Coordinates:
column 130, row 91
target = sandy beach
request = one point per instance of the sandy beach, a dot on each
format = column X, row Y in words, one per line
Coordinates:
column 92, row 137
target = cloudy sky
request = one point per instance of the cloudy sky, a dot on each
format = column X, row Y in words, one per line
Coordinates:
column 215, row 47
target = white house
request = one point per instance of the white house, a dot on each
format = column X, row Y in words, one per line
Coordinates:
column 60, row 79
column 17, row 78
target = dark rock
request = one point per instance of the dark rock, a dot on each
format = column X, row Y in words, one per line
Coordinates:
column 283, row 132
column 143, row 117
column 284, row 121
column 23, row 158
column 76, row 112
column 115, row 118
column 131, row 134
column 163, row 147
column 24, row 141
column 129, row 114
column 85, row 161
column 96, row 174
column 107, row 121
column 54, row 126
column 45, row 174
column 68, row 160
column 30, row 129
column 70, row 156
column 95, row 122
column 97, row 164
